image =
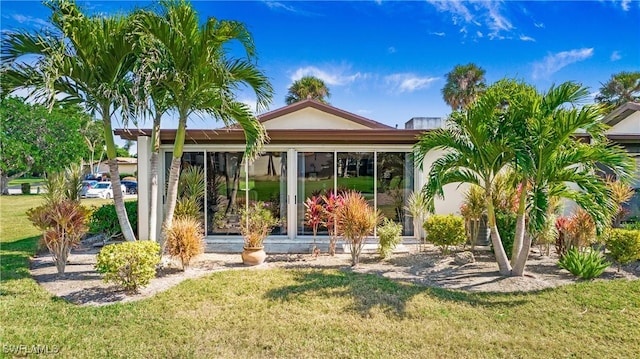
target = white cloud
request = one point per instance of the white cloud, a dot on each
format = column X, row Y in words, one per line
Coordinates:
column 625, row 4
column 279, row 5
column 407, row 82
column 479, row 34
column 391, row 50
column 26, row 19
column 615, row 56
column 553, row 63
column 440, row 33
column 539, row 25
column 527, row 38
column 483, row 14
column 334, row 77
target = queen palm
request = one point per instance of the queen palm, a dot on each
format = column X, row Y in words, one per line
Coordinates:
column 308, row 87
column 87, row 61
column 551, row 158
column 475, row 152
column 201, row 78
column 464, row 84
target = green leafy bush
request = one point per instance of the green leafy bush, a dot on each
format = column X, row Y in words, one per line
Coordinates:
column 390, row 234
column 624, row 245
column 105, row 220
column 130, row 264
column 187, row 207
column 185, row 239
column 506, row 223
column 445, row 231
column 632, row 225
column 25, row 188
column 586, row 264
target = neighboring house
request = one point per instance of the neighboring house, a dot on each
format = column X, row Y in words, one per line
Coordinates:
column 313, row 148
column 625, row 130
column 126, row 165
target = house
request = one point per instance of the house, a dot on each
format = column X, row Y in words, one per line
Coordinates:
column 126, row 165
column 313, row 148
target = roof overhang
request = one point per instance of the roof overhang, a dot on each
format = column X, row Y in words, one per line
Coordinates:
column 621, row 113
column 236, row 136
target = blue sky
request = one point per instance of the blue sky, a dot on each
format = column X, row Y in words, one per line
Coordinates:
column 387, row 60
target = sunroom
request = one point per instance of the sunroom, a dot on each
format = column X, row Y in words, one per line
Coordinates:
column 314, row 149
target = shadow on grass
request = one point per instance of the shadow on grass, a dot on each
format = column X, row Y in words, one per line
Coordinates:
column 369, row 291
column 14, row 262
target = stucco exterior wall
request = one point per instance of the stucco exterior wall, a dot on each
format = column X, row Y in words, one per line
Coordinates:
column 629, row 125
column 311, row 119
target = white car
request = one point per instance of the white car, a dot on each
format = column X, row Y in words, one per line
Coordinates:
column 103, row 190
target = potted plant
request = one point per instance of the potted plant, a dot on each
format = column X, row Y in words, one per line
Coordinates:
column 256, row 224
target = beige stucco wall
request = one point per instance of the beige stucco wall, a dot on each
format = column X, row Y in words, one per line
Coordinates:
column 311, row 119
column 630, row 125
column 453, row 193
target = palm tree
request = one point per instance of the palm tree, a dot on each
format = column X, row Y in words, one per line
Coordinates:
column 201, row 78
column 551, row 158
column 464, row 84
column 623, row 87
column 308, row 87
column 475, row 152
column 88, row 62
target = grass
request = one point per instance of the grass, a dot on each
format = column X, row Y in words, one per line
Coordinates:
column 311, row 313
column 31, row 180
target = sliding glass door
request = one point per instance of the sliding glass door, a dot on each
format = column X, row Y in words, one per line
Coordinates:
column 315, row 178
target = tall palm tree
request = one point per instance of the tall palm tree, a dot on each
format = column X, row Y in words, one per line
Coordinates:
column 88, row 61
column 551, row 158
column 623, row 87
column 201, row 78
column 475, row 152
column 464, row 84
column 308, row 87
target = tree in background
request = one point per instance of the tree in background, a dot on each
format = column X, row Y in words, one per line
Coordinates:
column 623, row 87
column 308, row 87
column 464, row 84
column 92, row 133
column 36, row 140
column 89, row 60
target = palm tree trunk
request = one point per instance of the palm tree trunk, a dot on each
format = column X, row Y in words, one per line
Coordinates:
column 153, row 201
column 174, row 173
column 118, row 198
column 518, row 240
column 501, row 257
column 521, row 260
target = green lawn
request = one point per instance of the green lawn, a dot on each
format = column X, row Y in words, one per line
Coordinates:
column 31, row 180
column 311, row 313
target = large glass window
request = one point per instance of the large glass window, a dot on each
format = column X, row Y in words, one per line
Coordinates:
column 355, row 172
column 268, row 183
column 394, row 185
column 315, row 177
column 226, row 192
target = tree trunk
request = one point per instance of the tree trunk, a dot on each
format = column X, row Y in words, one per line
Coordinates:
column 498, row 249
column 118, row 198
column 521, row 260
column 518, row 240
column 174, row 173
column 4, row 181
column 153, row 200
column 172, row 191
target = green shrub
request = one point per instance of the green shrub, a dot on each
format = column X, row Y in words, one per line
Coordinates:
column 130, row 264
column 187, row 207
column 445, row 231
column 506, row 223
column 632, row 225
column 124, row 175
column 105, row 220
column 587, row 264
column 390, row 234
column 184, row 239
column 25, row 188
column 623, row 245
